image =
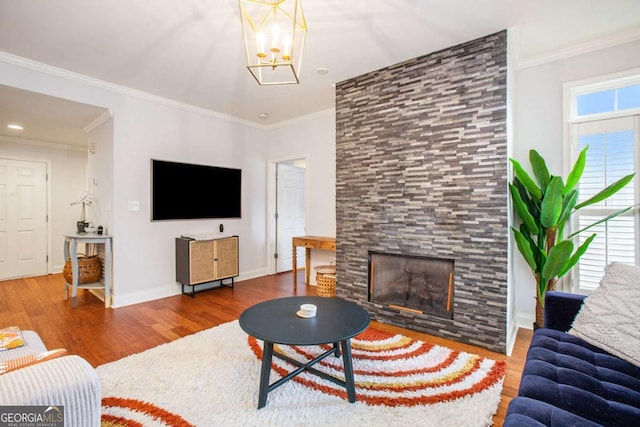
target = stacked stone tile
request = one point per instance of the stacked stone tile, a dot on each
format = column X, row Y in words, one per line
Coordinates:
column 421, row 169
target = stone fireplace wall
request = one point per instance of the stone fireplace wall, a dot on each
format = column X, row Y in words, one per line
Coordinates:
column 421, row 169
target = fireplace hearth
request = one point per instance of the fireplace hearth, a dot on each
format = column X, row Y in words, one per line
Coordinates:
column 421, row 285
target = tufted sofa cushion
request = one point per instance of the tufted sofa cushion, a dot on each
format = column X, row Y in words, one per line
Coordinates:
column 574, row 383
column 526, row 412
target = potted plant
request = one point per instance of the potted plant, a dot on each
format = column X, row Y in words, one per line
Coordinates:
column 545, row 206
column 86, row 199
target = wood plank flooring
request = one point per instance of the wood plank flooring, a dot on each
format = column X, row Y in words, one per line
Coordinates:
column 103, row 335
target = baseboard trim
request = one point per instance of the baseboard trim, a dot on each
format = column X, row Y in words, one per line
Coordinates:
column 173, row 289
column 525, row 321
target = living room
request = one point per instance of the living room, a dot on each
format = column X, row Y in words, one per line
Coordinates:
column 138, row 127
column 144, row 127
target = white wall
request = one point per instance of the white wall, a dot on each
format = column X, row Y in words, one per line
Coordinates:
column 538, row 124
column 146, row 127
column 313, row 137
column 512, row 328
column 100, row 173
column 145, row 250
column 66, row 180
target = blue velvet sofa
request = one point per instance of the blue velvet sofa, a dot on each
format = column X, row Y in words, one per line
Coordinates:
column 568, row 382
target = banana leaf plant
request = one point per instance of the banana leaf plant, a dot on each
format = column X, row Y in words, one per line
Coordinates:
column 544, row 206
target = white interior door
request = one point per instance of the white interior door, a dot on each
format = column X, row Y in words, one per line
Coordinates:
column 290, row 213
column 23, row 216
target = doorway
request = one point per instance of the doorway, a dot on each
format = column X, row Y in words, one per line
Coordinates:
column 290, row 216
column 23, row 218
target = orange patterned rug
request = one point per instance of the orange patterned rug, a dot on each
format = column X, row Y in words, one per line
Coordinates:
column 394, row 370
column 134, row 413
column 211, row 378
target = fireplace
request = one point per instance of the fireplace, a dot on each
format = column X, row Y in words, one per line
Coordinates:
column 418, row 284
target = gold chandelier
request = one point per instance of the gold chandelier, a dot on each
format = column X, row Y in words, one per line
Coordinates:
column 274, row 32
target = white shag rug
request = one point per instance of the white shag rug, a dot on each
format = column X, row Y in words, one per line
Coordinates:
column 211, row 378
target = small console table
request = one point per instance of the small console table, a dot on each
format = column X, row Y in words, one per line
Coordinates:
column 200, row 262
column 71, row 252
column 309, row 242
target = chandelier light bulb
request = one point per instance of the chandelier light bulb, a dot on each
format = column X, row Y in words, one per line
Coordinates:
column 261, row 43
column 286, row 47
column 275, row 38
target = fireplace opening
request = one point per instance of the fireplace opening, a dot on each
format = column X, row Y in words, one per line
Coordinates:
column 418, row 284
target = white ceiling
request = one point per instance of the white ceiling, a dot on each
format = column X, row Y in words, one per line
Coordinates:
column 45, row 118
column 191, row 50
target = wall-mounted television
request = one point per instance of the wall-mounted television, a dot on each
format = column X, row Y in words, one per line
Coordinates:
column 191, row 191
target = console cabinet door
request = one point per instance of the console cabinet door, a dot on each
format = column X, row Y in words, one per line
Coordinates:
column 226, row 256
column 201, row 259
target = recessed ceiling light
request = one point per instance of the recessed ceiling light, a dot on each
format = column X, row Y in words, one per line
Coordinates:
column 322, row 71
column 263, row 116
column 15, row 126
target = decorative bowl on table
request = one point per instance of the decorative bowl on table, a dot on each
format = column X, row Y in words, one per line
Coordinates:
column 91, row 230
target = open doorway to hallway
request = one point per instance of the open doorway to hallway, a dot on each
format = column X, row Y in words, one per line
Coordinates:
column 289, row 216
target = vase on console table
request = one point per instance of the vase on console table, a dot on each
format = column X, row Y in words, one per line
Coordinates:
column 81, row 225
column 86, row 199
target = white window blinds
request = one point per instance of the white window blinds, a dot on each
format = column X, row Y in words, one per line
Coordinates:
column 612, row 154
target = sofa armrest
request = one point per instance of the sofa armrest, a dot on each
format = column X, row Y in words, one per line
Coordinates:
column 68, row 381
column 560, row 308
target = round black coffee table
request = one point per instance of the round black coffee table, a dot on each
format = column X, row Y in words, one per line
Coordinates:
column 276, row 322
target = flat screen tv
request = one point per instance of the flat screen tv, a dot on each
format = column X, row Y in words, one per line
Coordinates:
column 190, row 191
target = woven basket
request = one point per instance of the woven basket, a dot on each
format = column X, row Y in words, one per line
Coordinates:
column 89, row 269
column 326, row 280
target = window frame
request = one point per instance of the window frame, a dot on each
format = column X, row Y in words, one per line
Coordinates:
column 571, row 91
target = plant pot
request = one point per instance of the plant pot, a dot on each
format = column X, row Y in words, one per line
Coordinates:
column 539, row 323
column 81, row 225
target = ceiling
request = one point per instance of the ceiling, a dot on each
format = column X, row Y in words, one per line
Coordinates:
column 45, row 118
column 191, row 50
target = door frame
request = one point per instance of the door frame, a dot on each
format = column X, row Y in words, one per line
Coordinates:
column 48, row 222
column 271, row 204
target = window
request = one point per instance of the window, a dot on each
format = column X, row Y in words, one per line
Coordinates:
column 606, row 118
column 605, row 101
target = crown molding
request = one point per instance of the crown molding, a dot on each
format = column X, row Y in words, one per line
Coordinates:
column 42, row 143
column 102, row 118
column 580, row 49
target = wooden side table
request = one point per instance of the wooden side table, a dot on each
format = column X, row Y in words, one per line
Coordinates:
column 309, row 242
column 71, row 252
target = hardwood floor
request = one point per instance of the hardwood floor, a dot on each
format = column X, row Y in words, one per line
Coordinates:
column 103, row 335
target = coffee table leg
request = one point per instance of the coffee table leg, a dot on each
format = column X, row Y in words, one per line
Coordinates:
column 336, row 347
column 348, row 370
column 265, row 372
